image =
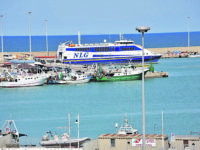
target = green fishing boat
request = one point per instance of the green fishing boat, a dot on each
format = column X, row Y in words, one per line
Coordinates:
column 123, row 74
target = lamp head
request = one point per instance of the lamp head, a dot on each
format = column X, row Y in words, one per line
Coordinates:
column 143, row 29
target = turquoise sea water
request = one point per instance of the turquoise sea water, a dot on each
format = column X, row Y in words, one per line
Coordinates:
column 101, row 105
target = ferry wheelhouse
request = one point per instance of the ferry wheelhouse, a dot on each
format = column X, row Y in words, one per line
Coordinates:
column 122, row 51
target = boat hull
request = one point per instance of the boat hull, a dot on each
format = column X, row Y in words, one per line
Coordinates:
column 78, row 81
column 193, row 56
column 136, row 59
column 6, row 84
column 121, row 78
column 56, row 82
column 64, row 143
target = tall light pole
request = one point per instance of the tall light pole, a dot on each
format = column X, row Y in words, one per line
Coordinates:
column 69, row 130
column 188, row 33
column 29, row 23
column 46, row 22
column 1, row 24
column 143, row 29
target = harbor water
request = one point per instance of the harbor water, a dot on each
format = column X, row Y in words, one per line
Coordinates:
column 101, row 105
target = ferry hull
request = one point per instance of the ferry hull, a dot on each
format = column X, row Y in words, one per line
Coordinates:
column 153, row 59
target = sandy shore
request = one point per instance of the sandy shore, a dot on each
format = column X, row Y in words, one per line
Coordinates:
column 156, row 50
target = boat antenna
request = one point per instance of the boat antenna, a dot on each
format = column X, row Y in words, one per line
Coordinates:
column 126, row 120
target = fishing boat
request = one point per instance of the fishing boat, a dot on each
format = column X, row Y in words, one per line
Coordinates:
column 77, row 77
column 23, row 80
column 122, row 74
column 56, row 79
column 50, row 140
column 126, row 128
column 122, row 51
column 194, row 55
column 53, row 140
column 9, row 135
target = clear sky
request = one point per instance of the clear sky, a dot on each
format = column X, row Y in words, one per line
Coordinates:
column 67, row 17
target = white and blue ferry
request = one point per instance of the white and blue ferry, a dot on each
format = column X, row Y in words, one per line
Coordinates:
column 122, row 51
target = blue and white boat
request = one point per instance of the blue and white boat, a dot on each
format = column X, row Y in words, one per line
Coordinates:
column 122, row 51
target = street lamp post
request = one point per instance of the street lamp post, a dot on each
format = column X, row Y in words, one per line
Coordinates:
column 46, row 22
column 1, row 24
column 143, row 29
column 29, row 22
column 77, row 121
column 188, row 33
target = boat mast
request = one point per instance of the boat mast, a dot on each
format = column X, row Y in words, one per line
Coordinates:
column 79, row 38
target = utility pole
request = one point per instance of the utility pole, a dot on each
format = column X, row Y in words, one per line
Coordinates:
column 47, row 48
column 1, row 24
column 29, row 20
column 188, row 33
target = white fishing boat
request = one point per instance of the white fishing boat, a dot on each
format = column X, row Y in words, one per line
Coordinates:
column 50, row 140
column 8, row 56
column 126, row 128
column 56, row 79
column 77, row 77
column 23, row 80
column 9, row 135
column 194, row 55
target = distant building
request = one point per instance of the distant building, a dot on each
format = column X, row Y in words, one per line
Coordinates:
column 185, row 142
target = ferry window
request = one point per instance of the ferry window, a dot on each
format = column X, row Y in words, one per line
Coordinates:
column 107, row 49
column 112, row 142
column 113, row 49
